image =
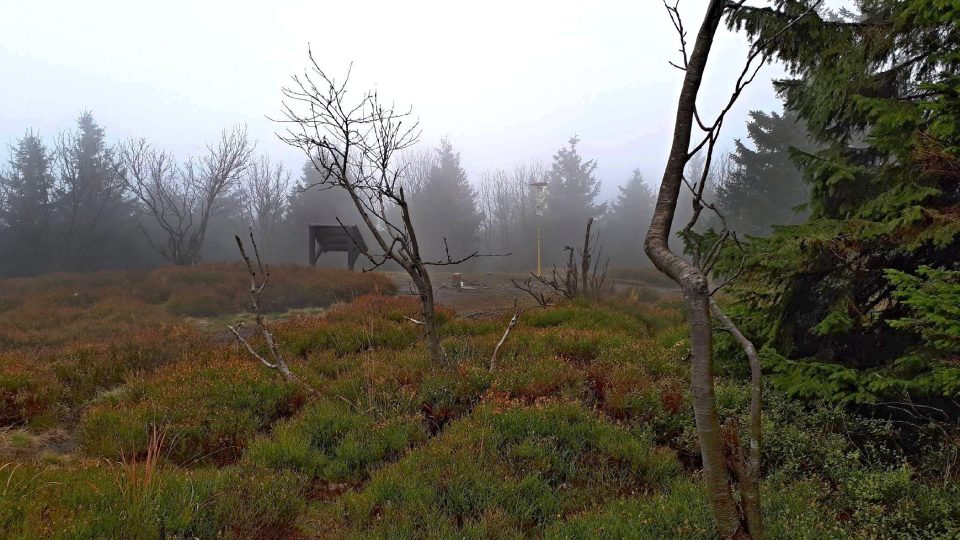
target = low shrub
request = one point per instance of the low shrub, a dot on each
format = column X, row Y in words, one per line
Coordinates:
column 645, row 274
column 126, row 500
column 681, row 511
column 28, row 393
column 506, row 471
column 534, row 378
column 328, row 442
column 58, row 309
column 221, row 288
column 209, row 411
column 38, row 386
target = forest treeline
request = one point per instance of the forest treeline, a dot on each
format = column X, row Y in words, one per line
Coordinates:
column 82, row 203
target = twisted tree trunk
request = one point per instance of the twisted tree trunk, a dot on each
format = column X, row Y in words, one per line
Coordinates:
column 694, row 285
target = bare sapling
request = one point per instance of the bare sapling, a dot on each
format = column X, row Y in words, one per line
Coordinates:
column 726, row 469
column 257, row 285
column 541, row 296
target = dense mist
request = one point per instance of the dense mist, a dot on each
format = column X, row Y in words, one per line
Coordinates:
column 599, row 140
column 547, row 270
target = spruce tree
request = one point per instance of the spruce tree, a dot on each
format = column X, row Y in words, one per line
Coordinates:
column 95, row 221
column 629, row 215
column 446, row 207
column 571, row 197
column 881, row 94
column 25, row 209
column 763, row 186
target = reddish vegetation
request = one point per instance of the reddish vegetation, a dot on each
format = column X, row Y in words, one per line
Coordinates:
column 66, row 337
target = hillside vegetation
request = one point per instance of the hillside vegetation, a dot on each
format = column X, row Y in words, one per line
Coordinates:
column 138, row 423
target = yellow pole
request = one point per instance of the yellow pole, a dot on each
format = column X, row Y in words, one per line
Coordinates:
column 538, row 247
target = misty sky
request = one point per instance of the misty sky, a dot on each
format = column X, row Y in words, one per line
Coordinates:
column 506, row 80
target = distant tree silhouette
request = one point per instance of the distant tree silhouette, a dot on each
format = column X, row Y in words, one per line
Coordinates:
column 446, row 206
column 629, row 213
column 262, row 196
column 181, row 199
column 764, row 186
column 26, row 208
column 571, row 195
column 94, row 218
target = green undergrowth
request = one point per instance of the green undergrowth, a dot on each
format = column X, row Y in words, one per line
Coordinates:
column 584, row 430
column 500, row 473
column 114, row 501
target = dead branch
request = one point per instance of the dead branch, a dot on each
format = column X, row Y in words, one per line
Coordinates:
column 585, row 257
column 513, row 322
column 542, row 298
column 256, row 289
column 250, row 349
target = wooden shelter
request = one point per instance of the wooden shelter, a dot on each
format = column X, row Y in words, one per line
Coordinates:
column 336, row 238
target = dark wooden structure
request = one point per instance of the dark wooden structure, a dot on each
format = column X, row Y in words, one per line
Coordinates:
column 336, row 238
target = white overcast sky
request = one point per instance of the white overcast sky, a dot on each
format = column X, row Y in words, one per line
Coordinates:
column 507, row 80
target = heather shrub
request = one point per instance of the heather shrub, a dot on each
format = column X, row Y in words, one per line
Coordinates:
column 680, row 511
column 208, row 411
column 328, row 442
column 506, row 471
column 56, row 309
column 221, row 288
column 41, row 385
column 532, row 378
column 28, row 392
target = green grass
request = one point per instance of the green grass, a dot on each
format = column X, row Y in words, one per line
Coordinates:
column 108, row 501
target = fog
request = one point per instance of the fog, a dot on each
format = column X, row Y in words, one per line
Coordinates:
column 506, row 81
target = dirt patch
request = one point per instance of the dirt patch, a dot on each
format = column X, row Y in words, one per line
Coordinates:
column 492, row 293
column 18, row 444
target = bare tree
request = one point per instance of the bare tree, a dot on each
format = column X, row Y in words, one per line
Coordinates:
column 355, row 146
column 416, row 164
column 262, row 192
column 540, row 295
column 181, row 198
column 723, row 463
column 506, row 201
